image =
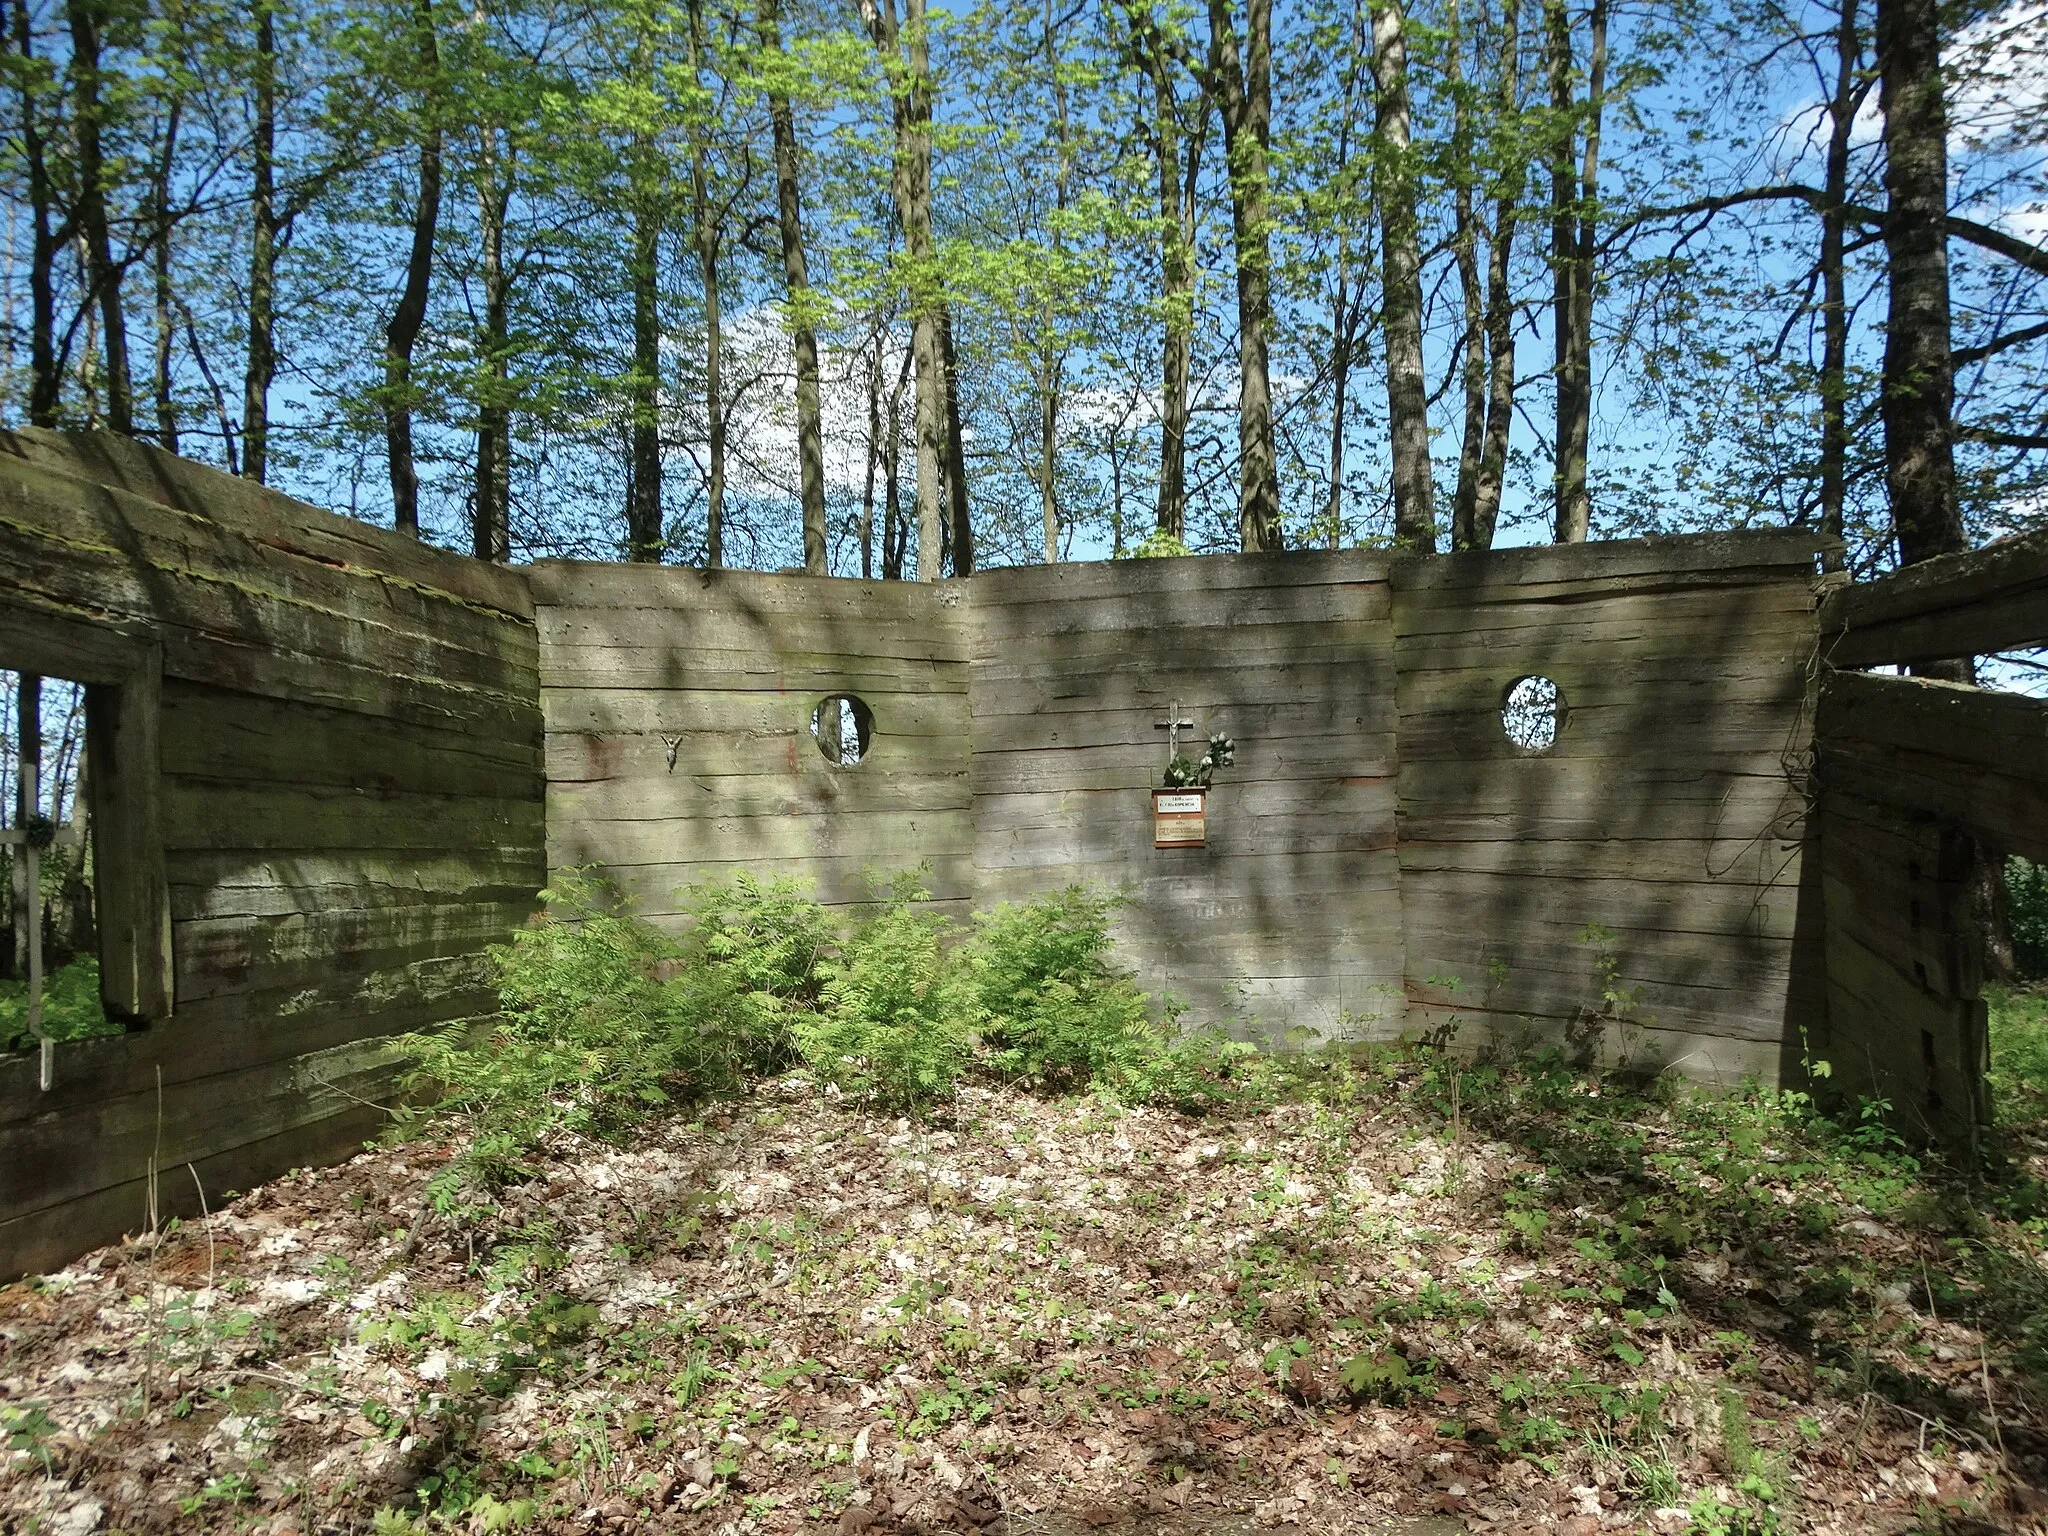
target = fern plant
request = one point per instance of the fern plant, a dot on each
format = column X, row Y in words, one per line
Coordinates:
column 897, row 1019
column 605, row 1018
column 1058, row 1012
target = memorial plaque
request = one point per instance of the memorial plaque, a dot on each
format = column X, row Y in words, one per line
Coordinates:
column 1180, row 818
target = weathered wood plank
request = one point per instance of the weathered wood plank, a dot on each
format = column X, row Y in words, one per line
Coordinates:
column 813, row 672
column 660, row 892
column 50, row 1238
column 1628, row 797
column 1361, row 609
column 220, row 736
column 1145, row 579
column 894, row 839
column 747, row 635
column 1672, row 622
column 1673, row 731
column 40, row 1165
column 228, row 645
column 1651, row 862
column 103, row 458
column 860, row 791
column 584, row 757
column 1967, row 753
column 220, row 956
column 1715, row 1059
column 1295, row 760
column 54, row 644
column 1968, row 604
column 230, row 884
column 762, row 595
column 1365, row 727
column 110, row 554
column 1554, row 910
column 125, row 793
column 1141, row 684
column 1775, row 554
column 202, row 815
column 927, row 717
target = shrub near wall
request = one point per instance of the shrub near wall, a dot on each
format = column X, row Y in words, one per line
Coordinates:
column 606, row 1018
column 2026, row 894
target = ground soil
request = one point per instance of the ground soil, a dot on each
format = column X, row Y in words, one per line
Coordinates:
column 1047, row 1316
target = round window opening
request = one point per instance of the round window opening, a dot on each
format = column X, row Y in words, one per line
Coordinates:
column 844, row 727
column 1533, row 713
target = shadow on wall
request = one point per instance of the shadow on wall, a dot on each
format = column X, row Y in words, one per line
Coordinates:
column 679, row 706
column 1642, row 885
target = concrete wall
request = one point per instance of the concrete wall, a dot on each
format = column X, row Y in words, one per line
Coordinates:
column 730, row 665
column 344, row 807
column 337, row 765
column 1671, row 811
column 1289, row 920
column 1380, row 857
column 1924, row 786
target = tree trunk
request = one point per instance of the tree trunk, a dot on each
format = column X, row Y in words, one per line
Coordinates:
column 959, row 524
column 28, row 761
column 490, row 532
column 165, row 313
column 46, row 379
column 1918, row 394
column 1573, row 229
column 1340, row 387
column 1177, row 184
column 1241, row 78
column 1048, row 467
column 403, row 332
column 895, row 533
column 1401, row 306
column 101, row 272
column 1343, row 306
column 1500, row 311
column 873, row 461
column 1052, row 358
column 906, row 55
column 1471, row 293
column 262, row 362
column 644, row 510
column 810, row 432
column 1834, row 391
column 706, row 241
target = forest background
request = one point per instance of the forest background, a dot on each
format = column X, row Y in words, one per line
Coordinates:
column 804, row 284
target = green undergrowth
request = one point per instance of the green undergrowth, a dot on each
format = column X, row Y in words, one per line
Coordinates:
column 2026, row 916
column 71, row 1007
column 2019, row 1055
column 1774, row 1177
column 1756, row 1235
column 607, row 1018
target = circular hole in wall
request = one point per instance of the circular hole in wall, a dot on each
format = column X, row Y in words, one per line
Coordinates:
column 844, row 728
column 1532, row 713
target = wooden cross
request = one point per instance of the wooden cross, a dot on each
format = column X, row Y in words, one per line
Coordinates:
column 1173, row 725
column 30, row 852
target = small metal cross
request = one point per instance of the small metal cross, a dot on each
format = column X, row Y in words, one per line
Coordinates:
column 1173, row 725
column 31, row 852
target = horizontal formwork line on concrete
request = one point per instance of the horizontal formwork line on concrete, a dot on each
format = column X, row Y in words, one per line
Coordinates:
column 587, row 584
column 704, row 798
column 671, row 675
column 117, row 559
column 1144, row 579
column 150, row 473
column 683, row 647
